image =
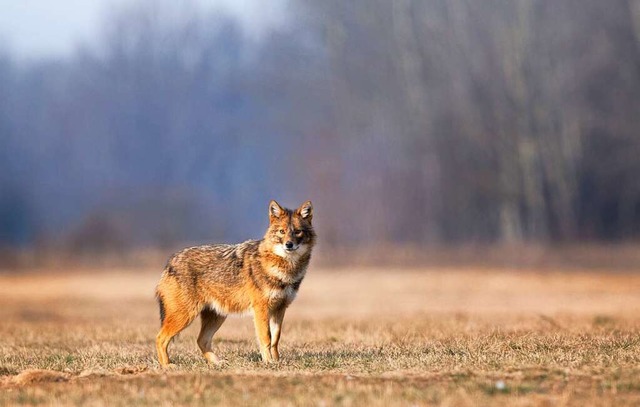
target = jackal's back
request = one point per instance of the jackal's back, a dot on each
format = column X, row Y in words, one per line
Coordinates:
column 219, row 263
column 205, row 273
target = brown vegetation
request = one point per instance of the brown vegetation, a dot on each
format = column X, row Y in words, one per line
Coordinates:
column 353, row 337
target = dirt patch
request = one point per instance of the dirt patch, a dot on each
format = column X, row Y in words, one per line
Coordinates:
column 32, row 376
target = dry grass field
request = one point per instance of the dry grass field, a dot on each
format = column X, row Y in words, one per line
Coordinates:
column 434, row 336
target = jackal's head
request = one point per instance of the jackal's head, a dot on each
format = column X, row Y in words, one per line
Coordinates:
column 290, row 233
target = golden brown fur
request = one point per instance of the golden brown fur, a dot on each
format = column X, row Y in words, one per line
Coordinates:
column 258, row 276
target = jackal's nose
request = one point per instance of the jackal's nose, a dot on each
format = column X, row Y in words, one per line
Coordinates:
column 289, row 245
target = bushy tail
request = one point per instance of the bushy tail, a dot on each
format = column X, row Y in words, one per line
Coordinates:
column 168, row 271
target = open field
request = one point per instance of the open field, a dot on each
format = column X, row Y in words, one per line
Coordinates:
column 352, row 337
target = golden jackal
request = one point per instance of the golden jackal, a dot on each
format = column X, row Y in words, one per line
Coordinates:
column 259, row 276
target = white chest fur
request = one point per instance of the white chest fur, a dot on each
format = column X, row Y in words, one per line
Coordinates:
column 288, row 278
column 286, row 295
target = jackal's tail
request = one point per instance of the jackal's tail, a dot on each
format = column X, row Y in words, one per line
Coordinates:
column 168, row 270
column 161, row 306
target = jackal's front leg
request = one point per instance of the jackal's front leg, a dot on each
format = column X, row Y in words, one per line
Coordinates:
column 275, row 326
column 261, row 320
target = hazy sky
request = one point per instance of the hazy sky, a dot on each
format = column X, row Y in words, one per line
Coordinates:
column 37, row 28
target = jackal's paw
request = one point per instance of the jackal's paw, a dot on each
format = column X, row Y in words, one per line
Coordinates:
column 266, row 357
column 213, row 359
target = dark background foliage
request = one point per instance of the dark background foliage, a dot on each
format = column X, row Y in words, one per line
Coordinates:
column 409, row 121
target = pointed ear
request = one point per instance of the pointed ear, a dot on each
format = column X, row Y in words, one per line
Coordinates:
column 275, row 210
column 306, row 210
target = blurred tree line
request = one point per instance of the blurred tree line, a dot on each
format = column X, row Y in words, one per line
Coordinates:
column 405, row 121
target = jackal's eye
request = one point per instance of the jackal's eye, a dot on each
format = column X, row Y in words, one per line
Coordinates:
column 281, row 231
column 298, row 232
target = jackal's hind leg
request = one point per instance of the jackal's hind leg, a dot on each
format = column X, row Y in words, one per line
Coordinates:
column 211, row 322
column 173, row 323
